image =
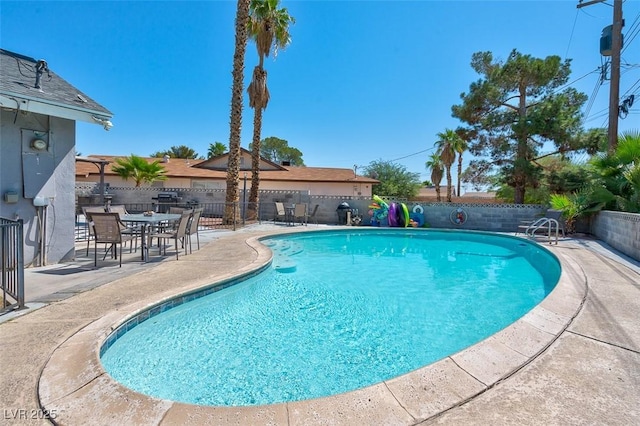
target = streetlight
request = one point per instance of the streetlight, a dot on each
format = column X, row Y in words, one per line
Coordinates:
column 244, row 199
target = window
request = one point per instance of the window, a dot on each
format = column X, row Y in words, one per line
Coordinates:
column 206, row 184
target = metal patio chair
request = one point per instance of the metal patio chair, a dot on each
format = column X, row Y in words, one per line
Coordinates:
column 107, row 229
column 86, row 211
column 127, row 228
column 192, row 228
column 281, row 213
column 179, row 234
column 300, row 212
column 312, row 216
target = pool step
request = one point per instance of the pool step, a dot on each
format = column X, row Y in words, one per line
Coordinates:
column 284, row 265
column 282, row 252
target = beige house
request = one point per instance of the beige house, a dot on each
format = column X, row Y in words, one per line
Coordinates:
column 212, row 174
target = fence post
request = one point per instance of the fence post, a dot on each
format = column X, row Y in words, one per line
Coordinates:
column 20, row 261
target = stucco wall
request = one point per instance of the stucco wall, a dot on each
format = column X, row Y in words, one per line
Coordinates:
column 57, row 189
column 620, row 230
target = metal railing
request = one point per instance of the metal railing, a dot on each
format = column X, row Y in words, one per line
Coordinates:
column 545, row 225
column 12, row 270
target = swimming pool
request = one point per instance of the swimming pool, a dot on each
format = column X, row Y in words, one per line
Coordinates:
column 355, row 308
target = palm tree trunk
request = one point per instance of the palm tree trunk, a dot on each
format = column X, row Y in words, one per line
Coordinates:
column 459, row 172
column 449, row 183
column 231, row 213
column 438, row 196
column 255, row 165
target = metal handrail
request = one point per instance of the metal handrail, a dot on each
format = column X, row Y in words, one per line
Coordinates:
column 540, row 224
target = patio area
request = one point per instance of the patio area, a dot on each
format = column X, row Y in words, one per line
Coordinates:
column 574, row 360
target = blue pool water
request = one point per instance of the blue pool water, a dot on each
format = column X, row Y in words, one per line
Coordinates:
column 335, row 312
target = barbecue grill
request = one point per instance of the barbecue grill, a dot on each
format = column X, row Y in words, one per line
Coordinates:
column 165, row 200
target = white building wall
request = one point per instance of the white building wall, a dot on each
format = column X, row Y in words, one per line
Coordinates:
column 49, row 173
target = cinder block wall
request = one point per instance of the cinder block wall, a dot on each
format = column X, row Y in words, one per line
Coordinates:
column 620, row 230
column 487, row 217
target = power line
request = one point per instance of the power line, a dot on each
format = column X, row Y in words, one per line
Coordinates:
column 592, row 98
column 411, row 155
column 632, row 33
column 571, row 36
column 631, row 90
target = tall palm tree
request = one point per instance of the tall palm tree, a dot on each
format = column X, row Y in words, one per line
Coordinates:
column 445, row 143
column 231, row 214
column 434, row 163
column 269, row 28
column 215, row 149
column 460, row 145
column 138, row 169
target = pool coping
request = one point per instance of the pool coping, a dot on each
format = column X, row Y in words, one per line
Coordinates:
column 74, row 385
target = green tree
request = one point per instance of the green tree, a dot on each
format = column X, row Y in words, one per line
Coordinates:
column 618, row 173
column 138, row 169
column 577, row 204
column 395, row 180
column 515, row 108
column 181, row 151
column 269, row 28
column 278, row 150
column 446, row 142
column 434, row 163
column 558, row 175
column 231, row 214
column 215, row 149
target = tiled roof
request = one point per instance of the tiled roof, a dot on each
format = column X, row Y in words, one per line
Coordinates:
column 181, row 168
column 18, row 78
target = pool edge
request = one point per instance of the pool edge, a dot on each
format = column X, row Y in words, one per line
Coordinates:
column 86, row 392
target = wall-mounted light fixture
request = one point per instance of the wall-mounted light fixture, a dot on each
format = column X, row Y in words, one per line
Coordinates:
column 104, row 121
column 39, row 144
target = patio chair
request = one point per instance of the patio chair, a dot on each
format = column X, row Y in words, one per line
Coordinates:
column 180, row 233
column 192, row 228
column 300, row 212
column 281, row 213
column 173, row 225
column 312, row 216
column 107, row 229
column 86, row 211
column 127, row 229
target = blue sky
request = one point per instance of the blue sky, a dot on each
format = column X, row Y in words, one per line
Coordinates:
column 361, row 81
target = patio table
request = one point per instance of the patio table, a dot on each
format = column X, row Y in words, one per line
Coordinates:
column 146, row 222
column 288, row 214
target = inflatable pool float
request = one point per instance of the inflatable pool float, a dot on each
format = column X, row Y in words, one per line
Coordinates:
column 417, row 219
column 417, row 216
column 393, row 214
column 404, row 215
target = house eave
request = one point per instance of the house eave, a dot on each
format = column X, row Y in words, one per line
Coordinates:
column 24, row 103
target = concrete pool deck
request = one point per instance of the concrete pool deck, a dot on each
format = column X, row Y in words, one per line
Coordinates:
column 574, row 359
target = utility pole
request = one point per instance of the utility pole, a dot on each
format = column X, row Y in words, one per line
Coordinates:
column 614, row 94
column 614, row 89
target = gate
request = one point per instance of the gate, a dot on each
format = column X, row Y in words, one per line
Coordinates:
column 12, row 272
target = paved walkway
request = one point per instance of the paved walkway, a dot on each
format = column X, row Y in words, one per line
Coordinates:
column 590, row 374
